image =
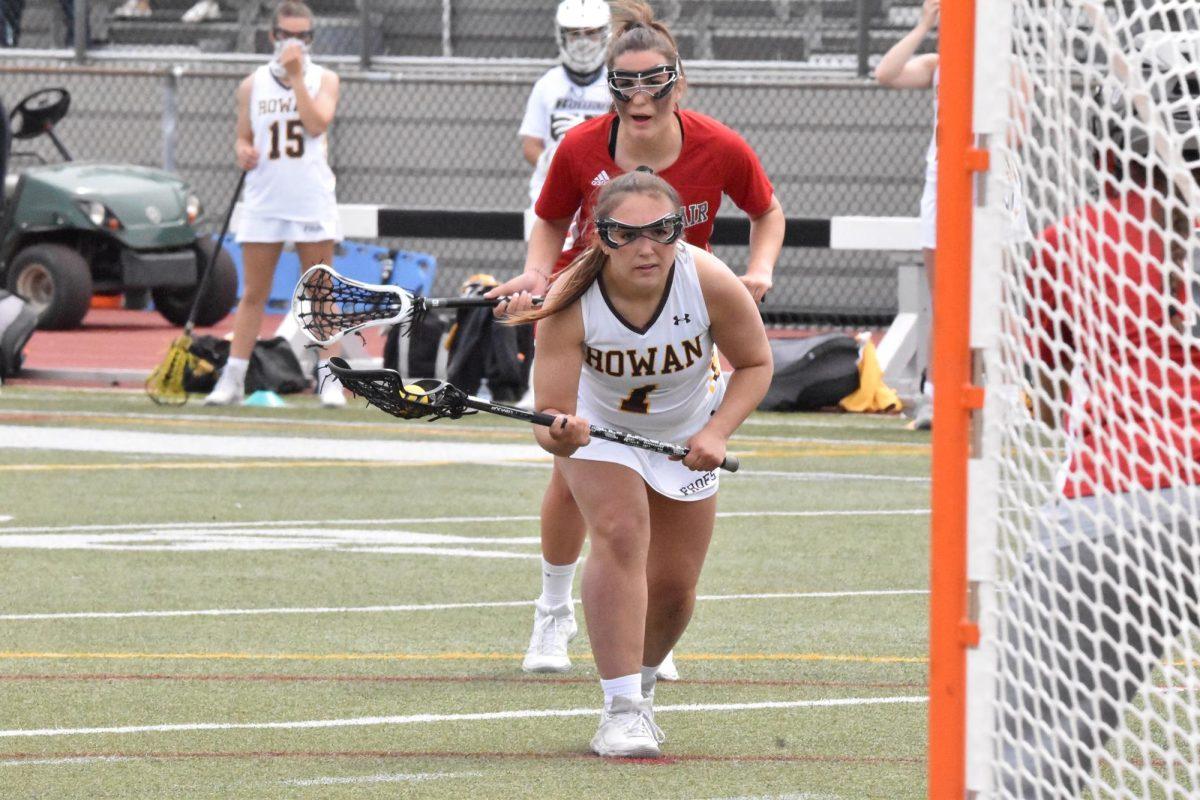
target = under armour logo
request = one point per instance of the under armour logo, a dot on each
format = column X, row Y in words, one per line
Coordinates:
column 683, row 319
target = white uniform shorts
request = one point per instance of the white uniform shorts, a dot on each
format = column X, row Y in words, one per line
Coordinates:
column 669, row 478
column 267, row 230
column 929, row 208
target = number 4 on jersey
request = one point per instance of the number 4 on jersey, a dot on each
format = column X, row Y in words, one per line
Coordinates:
column 637, row 402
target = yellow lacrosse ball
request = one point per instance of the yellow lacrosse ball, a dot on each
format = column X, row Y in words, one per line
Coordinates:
column 416, row 392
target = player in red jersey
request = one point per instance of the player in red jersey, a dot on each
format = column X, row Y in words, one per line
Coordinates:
column 698, row 156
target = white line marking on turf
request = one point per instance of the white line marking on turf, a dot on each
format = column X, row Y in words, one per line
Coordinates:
column 24, row 762
column 417, row 719
column 204, row 539
column 24, row 437
column 239, row 612
column 789, row 796
column 412, row 777
column 831, row 476
column 167, row 526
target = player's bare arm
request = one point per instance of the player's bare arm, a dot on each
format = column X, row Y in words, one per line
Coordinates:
column 532, row 148
column 545, row 243
column 316, row 113
column 766, row 241
column 244, row 149
column 739, row 335
column 898, row 69
column 559, row 345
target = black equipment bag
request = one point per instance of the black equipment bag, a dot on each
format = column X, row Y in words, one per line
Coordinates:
column 273, row 366
column 484, row 347
column 812, row 373
column 422, row 341
column 17, row 322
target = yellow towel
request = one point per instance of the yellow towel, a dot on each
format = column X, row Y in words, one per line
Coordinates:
column 873, row 394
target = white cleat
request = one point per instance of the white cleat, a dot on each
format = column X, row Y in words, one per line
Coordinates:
column 226, row 393
column 330, row 389
column 627, row 730
column 332, row 395
column 203, row 11
column 666, row 670
column 553, row 628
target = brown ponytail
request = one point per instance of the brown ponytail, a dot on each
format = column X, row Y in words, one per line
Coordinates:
column 580, row 274
column 636, row 30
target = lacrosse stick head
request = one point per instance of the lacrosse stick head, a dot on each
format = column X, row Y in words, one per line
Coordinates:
column 387, row 391
column 165, row 384
column 327, row 306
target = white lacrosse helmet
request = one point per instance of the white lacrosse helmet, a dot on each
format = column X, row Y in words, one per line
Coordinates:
column 582, row 29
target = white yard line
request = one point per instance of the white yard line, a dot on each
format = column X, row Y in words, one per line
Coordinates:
column 25, row 762
column 95, row 440
column 422, row 521
column 418, row 719
column 245, row 612
column 830, row 476
column 411, row 777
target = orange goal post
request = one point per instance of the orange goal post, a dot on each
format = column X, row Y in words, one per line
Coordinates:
column 1065, row 558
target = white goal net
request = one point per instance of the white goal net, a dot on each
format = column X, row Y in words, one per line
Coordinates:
column 1084, row 532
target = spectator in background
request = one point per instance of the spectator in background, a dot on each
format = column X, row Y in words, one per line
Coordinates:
column 901, row 68
column 202, row 11
column 10, row 22
column 574, row 91
column 284, row 109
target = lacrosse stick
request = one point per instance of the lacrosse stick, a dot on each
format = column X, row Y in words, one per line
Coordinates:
column 327, row 306
column 384, row 389
column 165, row 384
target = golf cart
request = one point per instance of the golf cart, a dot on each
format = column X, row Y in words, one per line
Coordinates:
column 71, row 230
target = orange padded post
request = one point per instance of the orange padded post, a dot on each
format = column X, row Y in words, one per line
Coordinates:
column 951, row 362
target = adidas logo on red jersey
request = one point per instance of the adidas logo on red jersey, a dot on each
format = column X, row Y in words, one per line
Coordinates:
column 601, row 178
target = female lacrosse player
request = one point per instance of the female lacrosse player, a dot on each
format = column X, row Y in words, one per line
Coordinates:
column 284, row 109
column 569, row 93
column 901, row 68
column 702, row 159
column 626, row 340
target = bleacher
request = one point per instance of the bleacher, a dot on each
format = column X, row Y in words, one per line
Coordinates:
column 792, row 30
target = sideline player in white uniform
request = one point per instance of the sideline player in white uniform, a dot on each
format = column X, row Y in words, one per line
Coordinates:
column 573, row 91
column 626, row 338
column 284, row 109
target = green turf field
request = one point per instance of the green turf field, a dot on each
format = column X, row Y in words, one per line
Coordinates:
column 273, row 603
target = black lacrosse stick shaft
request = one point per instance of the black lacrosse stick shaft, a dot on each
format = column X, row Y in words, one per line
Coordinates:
column 730, row 464
column 210, row 267
column 384, row 389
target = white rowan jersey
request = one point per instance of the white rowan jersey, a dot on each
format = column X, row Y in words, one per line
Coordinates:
column 663, row 381
column 293, row 180
column 556, row 105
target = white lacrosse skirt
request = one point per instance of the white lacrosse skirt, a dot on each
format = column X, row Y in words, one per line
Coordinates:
column 267, row 230
column 669, row 478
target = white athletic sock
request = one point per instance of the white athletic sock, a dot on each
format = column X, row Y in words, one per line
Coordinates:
column 625, row 686
column 556, row 583
column 236, row 368
column 233, row 374
column 649, row 680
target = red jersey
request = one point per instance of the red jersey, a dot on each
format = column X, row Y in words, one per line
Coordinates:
column 1138, row 411
column 714, row 161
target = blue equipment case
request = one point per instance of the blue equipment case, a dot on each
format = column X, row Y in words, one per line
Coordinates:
column 362, row 262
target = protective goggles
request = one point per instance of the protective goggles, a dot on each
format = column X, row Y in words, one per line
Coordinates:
column 663, row 231
column 623, row 84
column 301, row 36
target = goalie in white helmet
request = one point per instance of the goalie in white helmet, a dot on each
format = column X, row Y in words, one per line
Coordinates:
column 571, row 92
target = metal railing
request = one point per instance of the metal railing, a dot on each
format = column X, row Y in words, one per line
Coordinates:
column 842, row 33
